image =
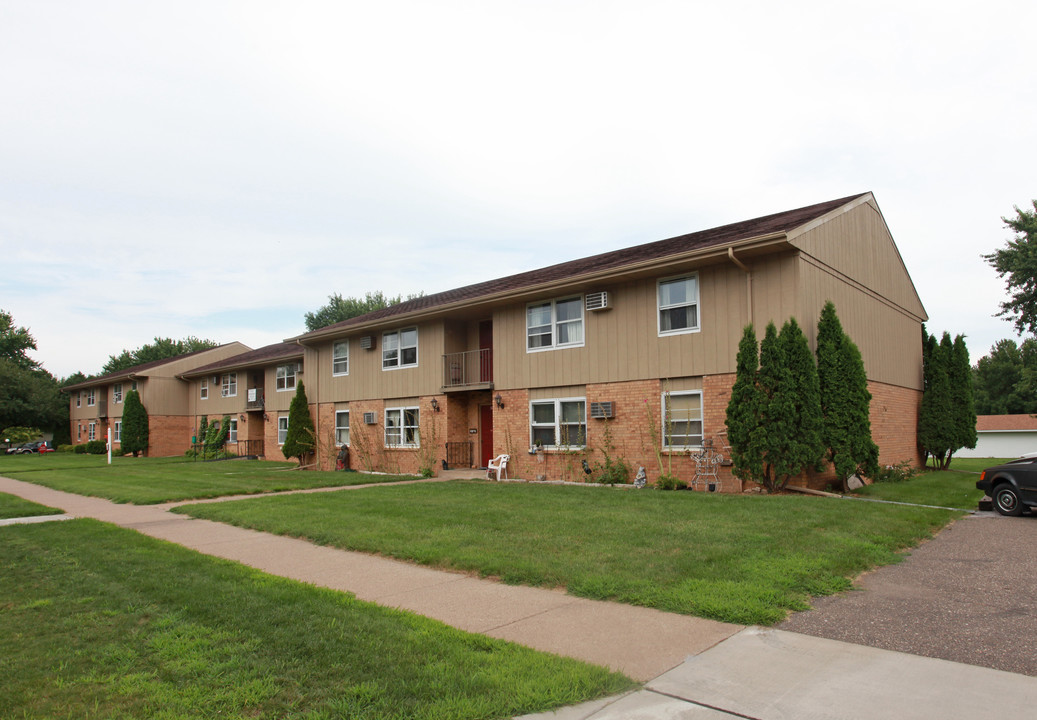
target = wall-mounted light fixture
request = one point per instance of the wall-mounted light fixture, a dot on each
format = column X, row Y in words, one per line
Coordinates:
column 435, row 405
column 499, row 401
column 241, row 418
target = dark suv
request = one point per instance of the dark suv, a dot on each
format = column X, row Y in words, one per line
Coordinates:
column 1012, row 486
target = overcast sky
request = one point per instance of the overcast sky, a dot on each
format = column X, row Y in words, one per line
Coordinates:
column 218, row 169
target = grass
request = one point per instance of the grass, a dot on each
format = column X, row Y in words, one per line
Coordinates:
column 955, row 488
column 145, row 481
column 12, row 506
column 742, row 559
column 101, row 622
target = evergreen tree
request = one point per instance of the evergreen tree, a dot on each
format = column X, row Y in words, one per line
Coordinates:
column 807, row 446
column 134, row 424
column 743, row 409
column 959, row 375
column 845, row 400
column 775, row 432
column 300, row 440
column 935, row 420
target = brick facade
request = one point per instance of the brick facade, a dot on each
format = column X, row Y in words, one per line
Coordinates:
column 169, row 435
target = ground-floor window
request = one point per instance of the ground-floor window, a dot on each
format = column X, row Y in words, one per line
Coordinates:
column 401, row 427
column 682, row 420
column 91, row 432
column 558, row 423
column 342, row 427
column 282, row 429
column 117, row 431
column 232, row 433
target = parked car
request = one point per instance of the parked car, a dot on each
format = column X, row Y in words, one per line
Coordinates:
column 1012, row 486
column 29, row 447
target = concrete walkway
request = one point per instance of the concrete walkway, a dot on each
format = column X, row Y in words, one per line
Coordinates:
column 694, row 668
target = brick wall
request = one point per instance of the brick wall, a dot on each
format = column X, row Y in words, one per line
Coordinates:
column 894, row 423
column 169, row 435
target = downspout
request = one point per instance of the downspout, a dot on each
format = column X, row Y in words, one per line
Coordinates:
column 748, row 282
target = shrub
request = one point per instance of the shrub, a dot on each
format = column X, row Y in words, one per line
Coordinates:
column 900, row 472
column 96, row 447
column 66, row 448
column 670, row 482
column 118, row 452
column 79, row 449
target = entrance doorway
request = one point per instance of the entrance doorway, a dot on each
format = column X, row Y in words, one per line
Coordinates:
column 485, row 434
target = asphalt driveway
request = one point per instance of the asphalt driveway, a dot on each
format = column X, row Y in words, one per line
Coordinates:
column 969, row 595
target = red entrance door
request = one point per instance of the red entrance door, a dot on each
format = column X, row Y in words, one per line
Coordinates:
column 486, row 434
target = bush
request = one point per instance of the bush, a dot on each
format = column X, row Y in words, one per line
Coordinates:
column 669, row 482
column 79, row 449
column 614, row 471
column 66, row 448
column 900, row 472
column 118, row 452
column 96, row 447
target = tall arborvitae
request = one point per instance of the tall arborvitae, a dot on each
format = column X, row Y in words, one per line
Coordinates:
column 845, row 400
column 960, row 373
column 775, row 433
column 806, row 447
column 301, row 438
column 743, row 409
column 935, row 416
column 134, row 437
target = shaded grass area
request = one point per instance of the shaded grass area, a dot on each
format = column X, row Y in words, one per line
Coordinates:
column 146, row 481
column 12, row 506
column 955, row 488
column 101, row 622
column 741, row 559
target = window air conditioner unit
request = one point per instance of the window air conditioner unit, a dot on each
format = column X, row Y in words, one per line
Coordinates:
column 367, row 342
column 602, row 410
column 369, row 418
column 597, row 301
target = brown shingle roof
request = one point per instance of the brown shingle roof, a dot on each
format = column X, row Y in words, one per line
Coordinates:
column 141, row 369
column 995, row 423
column 260, row 356
column 614, row 260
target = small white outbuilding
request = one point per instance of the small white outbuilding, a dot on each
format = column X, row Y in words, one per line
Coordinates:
column 1003, row 436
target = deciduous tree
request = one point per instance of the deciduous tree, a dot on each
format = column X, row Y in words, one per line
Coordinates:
column 1017, row 263
column 339, row 308
column 160, row 349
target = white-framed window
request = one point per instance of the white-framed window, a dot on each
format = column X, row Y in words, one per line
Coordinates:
column 282, row 429
column 204, row 389
column 340, row 358
column 682, row 419
column 286, row 377
column 232, row 433
column 79, row 399
column 116, row 393
column 400, row 348
column 554, row 324
column 560, row 423
column 679, row 305
column 401, row 427
column 341, row 427
column 117, row 431
column 133, row 385
column 91, row 398
column 91, row 431
column 229, row 385
column 79, row 431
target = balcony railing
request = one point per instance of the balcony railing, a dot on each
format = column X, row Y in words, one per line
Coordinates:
column 473, row 368
column 254, row 399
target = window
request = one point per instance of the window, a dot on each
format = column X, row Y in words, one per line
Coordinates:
column 116, row 393
column 679, row 305
column 401, row 427
column 117, row 431
column 229, row 385
column 91, row 433
column 79, row 399
column 91, row 398
column 342, row 427
column 232, row 433
column 340, row 358
column 554, row 324
column 205, row 389
column 79, row 431
column 282, row 429
column 400, row 348
column 559, row 423
column 286, row 376
column 133, row 385
column 682, row 420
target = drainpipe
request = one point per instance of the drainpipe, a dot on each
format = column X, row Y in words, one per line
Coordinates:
column 748, row 282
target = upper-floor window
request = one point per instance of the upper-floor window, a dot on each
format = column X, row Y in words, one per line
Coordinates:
column 282, row 429
column 116, row 393
column 91, row 398
column 342, row 427
column 79, row 399
column 558, row 423
column 400, row 348
column 133, row 385
column 401, row 427
column 229, row 385
column 340, row 358
column 286, row 376
column 679, row 305
column 554, row 324
column 205, row 389
column 682, row 420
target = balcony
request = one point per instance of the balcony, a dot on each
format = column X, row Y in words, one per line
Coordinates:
column 102, row 409
column 254, row 400
column 470, row 370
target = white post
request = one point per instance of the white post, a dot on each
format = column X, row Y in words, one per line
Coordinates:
column 109, row 446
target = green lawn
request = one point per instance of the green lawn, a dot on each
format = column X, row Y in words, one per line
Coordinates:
column 101, row 622
column 742, row 559
column 12, row 506
column 954, row 488
column 154, row 480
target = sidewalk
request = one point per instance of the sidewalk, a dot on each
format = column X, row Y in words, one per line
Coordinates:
column 694, row 668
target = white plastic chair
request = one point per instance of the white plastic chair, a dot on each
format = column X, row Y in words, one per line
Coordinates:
column 498, row 465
